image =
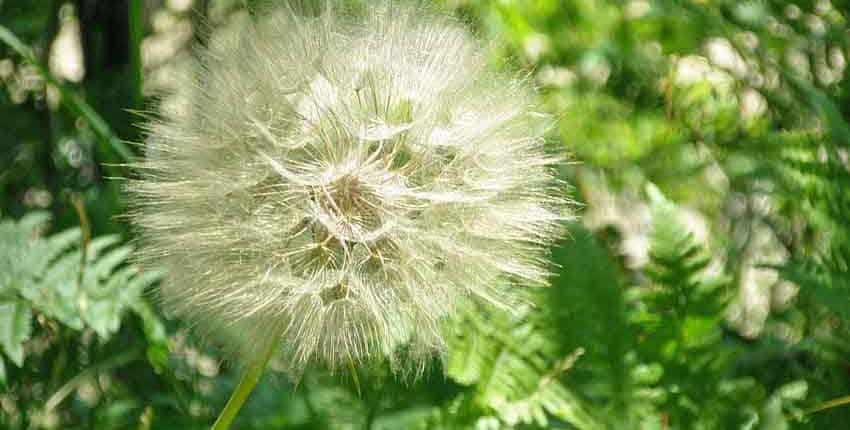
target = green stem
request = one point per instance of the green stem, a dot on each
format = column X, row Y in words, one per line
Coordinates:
column 136, row 24
column 830, row 404
column 71, row 100
column 249, row 380
column 115, row 361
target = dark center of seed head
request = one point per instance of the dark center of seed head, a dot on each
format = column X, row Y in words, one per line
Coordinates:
column 347, row 192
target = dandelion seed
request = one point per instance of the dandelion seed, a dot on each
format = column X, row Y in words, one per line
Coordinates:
column 337, row 184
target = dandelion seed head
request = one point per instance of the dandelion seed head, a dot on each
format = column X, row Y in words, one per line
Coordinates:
column 339, row 183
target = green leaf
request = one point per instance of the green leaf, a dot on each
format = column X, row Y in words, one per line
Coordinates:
column 45, row 272
column 836, row 126
column 503, row 356
column 15, row 329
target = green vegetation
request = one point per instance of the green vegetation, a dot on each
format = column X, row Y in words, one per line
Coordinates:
column 705, row 285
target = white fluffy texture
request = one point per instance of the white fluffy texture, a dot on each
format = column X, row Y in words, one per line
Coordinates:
column 338, row 184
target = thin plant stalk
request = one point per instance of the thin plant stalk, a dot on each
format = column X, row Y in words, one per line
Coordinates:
column 136, row 23
column 71, row 100
column 86, row 375
column 834, row 403
column 250, row 378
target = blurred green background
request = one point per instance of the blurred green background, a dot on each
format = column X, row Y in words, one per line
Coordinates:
column 706, row 284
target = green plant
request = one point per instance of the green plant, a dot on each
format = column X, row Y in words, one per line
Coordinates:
column 80, row 283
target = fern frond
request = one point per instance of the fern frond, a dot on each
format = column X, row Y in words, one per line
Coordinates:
column 46, row 275
column 507, row 360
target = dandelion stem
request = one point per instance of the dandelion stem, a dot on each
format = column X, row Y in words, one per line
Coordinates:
column 249, row 380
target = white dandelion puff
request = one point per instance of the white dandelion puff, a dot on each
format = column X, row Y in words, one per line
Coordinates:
column 336, row 184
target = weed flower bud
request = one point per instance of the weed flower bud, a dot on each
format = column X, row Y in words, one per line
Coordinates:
column 338, row 183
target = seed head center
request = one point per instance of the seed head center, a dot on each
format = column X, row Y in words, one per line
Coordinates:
column 347, row 193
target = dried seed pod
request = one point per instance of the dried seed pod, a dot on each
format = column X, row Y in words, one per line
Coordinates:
column 338, row 183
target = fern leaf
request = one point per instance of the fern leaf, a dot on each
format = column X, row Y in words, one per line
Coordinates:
column 48, row 275
column 506, row 359
column 15, row 329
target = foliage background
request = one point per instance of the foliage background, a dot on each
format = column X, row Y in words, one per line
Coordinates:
column 705, row 287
